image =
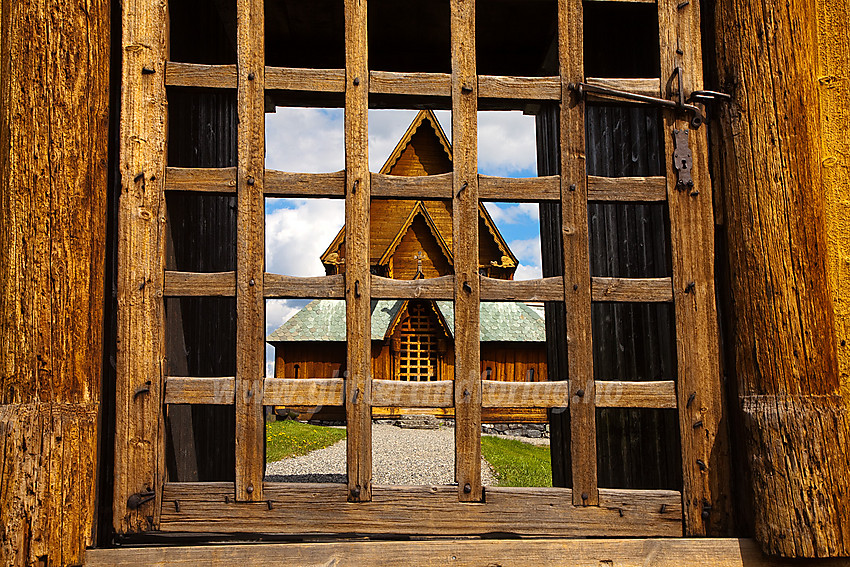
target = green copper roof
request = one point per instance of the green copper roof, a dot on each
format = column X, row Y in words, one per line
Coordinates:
column 324, row 320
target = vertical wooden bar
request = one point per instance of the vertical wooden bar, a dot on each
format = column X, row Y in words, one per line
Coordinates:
column 576, row 256
column 250, row 230
column 358, row 399
column 139, row 428
column 705, row 455
column 465, row 250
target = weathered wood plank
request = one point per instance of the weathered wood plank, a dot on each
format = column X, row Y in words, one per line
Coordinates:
column 250, row 257
column 519, row 189
column 525, row 394
column 465, row 250
column 543, row 289
column 418, row 84
column 626, row 189
column 395, row 393
column 304, row 392
column 195, row 284
column 188, row 390
column 577, row 285
column 285, row 184
column 431, row 288
column 656, row 394
column 412, row 187
column 203, row 179
column 705, row 451
column 196, row 75
column 645, row 87
column 420, row 510
column 358, row 310
column 650, row 290
column 459, row 553
column 139, row 435
column 315, row 80
column 317, row 287
column 526, row 88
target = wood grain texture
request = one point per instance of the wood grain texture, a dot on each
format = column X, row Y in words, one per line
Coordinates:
column 195, row 75
column 315, row 287
column 189, row 390
column 525, row 88
column 519, row 189
column 794, row 423
column 189, row 284
column 418, row 84
column 525, row 394
column 202, row 179
column 284, row 184
column 574, row 228
column 460, row 553
column 465, row 250
column 396, row 393
column 358, row 310
column 314, row 80
column 430, row 288
column 543, row 289
column 139, row 455
column 626, row 189
column 426, row 187
column 250, row 256
column 618, row 394
column 645, row 87
column 304, row 392
column 54, row 137
column 420, row 510
column 705, row 451
column 643, row 290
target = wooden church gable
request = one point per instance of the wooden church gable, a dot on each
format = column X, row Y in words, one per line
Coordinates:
column 424, row 149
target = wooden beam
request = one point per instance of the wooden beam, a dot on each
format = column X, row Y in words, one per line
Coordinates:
column 609, row 394
column 358, row 394
column 577, row 285
column 616, row 394
column 641, row 290
column 187, row 390
column 316, row 287
column 525, row 88
column 626, row 189
column 705, row 461
column 419, row 510
column 250, row 257
column 139, row 430
column 200, row 76
column 412, row 84
column 304, row 185
column 395, row 393
column 430, row 288
column 645, row 87
column 304, row 392
column 458, row 553
column 465, row 250
column 416, row 187
column 544, row 289
column 519, row 189
column 202, row 179
column 194, row 284
column 314, row 80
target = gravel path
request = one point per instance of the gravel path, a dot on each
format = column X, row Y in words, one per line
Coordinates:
column 399, row 456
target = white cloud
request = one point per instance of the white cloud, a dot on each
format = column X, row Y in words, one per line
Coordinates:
column 527, row 252
column 514, row 213
column 298, row 233
column 305, row 140
column 524, row 272
column 507, row 144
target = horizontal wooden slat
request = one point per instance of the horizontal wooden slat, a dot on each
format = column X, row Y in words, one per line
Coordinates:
column 318, row 287
column 303, row 392
column 525, row 394
column 303, row 185
column 645, row 87
column 199, row 284
column 544, row 289
column 626, row 189
column 420, row 84
column 424, row 510
column 431, row 288
column 195, row 75
column 185, row 390
column 673, row 552
column 639, row 290
column 314, row 80
column 395, row 393
column 204, row 180
column 610, row 394
column 526, row 88
column 412, row 187
column 519, row 189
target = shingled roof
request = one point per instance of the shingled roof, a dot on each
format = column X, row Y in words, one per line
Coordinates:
column 324, row 320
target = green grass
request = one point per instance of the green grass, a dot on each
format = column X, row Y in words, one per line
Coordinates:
column 292, row 438
column 516, row 463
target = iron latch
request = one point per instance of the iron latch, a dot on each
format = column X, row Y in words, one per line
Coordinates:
column 682, row 160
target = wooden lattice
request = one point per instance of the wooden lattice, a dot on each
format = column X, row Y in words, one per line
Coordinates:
column 418, row 357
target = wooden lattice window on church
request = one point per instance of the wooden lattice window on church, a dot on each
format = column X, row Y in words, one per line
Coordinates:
column 148, row 388
column 418, row 355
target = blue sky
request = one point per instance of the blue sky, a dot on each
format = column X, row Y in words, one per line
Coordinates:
column 311, row 141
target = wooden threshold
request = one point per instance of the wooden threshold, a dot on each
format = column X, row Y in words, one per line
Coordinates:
column 675, row 552
column 419, row 510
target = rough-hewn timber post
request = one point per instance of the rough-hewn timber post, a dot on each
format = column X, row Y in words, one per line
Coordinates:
column 796, row 432
column 54, row 90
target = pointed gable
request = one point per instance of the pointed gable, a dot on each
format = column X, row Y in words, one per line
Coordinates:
column 422, row 150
